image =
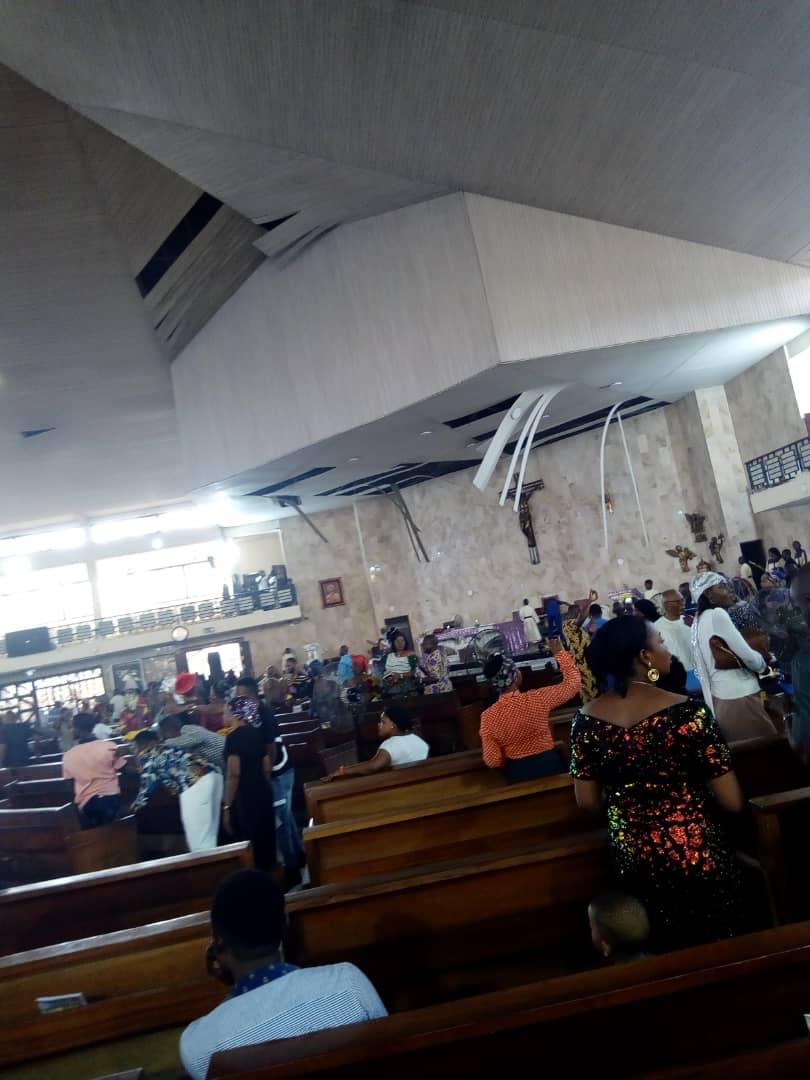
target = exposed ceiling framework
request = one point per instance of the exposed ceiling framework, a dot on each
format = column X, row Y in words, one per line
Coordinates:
column 426, row 441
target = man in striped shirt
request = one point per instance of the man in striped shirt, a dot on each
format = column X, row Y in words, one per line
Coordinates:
column 269, row 999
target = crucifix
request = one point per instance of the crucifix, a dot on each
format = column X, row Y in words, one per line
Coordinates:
column 525, row 516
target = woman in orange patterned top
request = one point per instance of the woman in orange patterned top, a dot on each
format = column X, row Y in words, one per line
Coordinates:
column 515, row 733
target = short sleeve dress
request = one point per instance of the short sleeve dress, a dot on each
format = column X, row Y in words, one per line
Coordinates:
column 669, row 847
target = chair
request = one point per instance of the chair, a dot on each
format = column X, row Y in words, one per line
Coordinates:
column 228, row 607
column 126, row 624
column 165, row 617
column 188, row 613
column 285, row 597
column 84, row 632
column 147, row 621
column 64, row 635
column 245, row 605
column 206, row 610
column 268, row 599
column 105, row 627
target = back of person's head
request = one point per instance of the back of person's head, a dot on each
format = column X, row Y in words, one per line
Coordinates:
column 773, row 552
column 399, row 717
column 647, row 609
column 344, row 650
column 595, row 611
column 786, row 553
column 525, row 601
column 619, row 924
column 247, row 686
column 169, row 726
column 247, row 914
column 83, row 723
column 648, row 583
column 144, row 739
column 613, row 653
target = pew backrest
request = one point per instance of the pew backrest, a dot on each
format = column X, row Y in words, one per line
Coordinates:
column 733, row 997
column 41, row 843
column 401, row 787
column 33, row 916
column 34, row 793
column 497, row 820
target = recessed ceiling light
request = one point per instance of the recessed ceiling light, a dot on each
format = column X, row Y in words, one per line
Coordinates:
column 352, row 460
column 423, row 433
column 157, row 542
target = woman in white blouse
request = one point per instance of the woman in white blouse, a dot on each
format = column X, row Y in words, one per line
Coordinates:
column 731, row 690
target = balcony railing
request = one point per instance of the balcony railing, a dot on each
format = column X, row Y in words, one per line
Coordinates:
column 183, row 612
column 778, row 466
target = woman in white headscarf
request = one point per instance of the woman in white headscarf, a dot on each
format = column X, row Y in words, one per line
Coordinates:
column 725, row 663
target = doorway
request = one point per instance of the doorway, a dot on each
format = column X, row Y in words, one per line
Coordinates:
column 214, row 661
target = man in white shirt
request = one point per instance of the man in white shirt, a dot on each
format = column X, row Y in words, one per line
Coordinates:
column 269, row 999
column 746, row 573
column 649, row 589
column 676, row 634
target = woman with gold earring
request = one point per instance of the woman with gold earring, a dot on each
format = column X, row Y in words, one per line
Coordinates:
column 657, row 763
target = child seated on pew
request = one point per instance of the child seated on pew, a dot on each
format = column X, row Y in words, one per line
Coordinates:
column 269, row 999
column 620, row 927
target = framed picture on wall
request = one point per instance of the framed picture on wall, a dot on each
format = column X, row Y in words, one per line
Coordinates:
column 128, row 676
column 331, row 592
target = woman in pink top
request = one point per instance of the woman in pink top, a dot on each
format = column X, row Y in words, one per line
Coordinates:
column 93, row 764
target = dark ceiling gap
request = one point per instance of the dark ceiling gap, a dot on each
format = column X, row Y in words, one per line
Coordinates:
column 185, row 231
column 481, row 414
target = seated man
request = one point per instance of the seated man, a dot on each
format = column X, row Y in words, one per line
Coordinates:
column 93, row 766
column 269, row 999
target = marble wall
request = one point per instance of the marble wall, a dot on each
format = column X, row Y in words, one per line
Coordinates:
column 309, row 560
column 766, row 416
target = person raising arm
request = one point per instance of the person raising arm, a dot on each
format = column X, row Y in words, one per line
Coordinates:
column 515, row 732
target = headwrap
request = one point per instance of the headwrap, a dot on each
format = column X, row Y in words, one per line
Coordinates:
column 247, row 709
column 707, row 579
column 505, row 676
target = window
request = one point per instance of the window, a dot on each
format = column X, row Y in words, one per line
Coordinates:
column 71, row 688
column 61, row 594
column 163, row 578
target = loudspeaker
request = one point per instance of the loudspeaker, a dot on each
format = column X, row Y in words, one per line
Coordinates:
column 754, row 553
column 25, row 642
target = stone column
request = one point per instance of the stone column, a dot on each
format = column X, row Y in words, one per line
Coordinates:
column 728, row 477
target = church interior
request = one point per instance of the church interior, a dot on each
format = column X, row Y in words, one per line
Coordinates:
column 404, row 612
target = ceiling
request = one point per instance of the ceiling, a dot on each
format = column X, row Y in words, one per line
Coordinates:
column 177, row 145
column 450, row 431
column 674, row 116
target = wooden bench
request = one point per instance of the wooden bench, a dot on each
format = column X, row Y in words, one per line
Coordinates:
column 22, row 794
column 504, row 818
column 135, row 981
column 400, row 788
column 398, row 927
column 411, row 932
column 50, row 842
column 32, row 916
column 739, row 997
column 30, row 772
column 781, row 823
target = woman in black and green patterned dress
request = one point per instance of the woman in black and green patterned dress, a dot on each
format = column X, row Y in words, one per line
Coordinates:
column 660, row 767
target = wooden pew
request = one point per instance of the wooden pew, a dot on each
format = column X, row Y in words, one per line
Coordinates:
column 505, row 818
column 740, row 997
column 32, row 916
column 23, row 794
column 767, row 765
column 401, row 788
column 135, row 981
column 530, row 909
column 781, row 1061
column 517, row 907
column 30, row 772
column 781, row 823
column 47, row 843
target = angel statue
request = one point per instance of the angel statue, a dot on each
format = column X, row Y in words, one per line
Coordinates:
column 683, row 555
column 716, row 547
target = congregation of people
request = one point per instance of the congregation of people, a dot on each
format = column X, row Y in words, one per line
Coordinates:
column 665, row 679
